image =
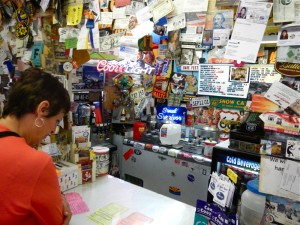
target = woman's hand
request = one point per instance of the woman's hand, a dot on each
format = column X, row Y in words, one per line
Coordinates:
column 66, row 211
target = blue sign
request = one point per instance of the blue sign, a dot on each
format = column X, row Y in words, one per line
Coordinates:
column 170, row 113
column 236, row 161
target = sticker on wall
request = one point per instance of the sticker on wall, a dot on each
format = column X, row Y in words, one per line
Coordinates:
column 191, row 178
column 21, row 30
column 174, row 190
column 127, row 154
column 137, row 152
column 133, row 159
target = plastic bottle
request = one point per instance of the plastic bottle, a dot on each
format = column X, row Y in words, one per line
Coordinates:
column 183, row 127
column 252, row 204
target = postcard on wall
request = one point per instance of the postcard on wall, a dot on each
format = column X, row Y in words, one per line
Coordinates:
column 281, row 211
column 284, row 11
column 121, row 3
column 292, row 149
column 161, row 9
column 195, row 5
column 160, row 88
column 176, row 22
column 221, row 37
column 143, row 15
column 282, row 95
column 178, row 8
column 289, row 35
column 67, row 32
column 290, row 54
column 134, row 7
column 263, row 74
column 223, row 80
column 177, row 83
column 106, row 18
column 219, row 19
column 195, row 22
column 174, row 49
column 244, row 43
column 119, row 12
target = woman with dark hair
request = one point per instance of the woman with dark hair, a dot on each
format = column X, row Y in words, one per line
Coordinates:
column 284, row 35
column 30, row 194
column 242, row 13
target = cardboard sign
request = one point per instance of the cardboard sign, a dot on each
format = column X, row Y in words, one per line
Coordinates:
column 160, row 89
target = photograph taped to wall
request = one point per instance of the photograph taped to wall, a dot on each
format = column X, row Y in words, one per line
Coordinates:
column 134, row 7
column 221, row 19
column 240, row 74
column 187, row 56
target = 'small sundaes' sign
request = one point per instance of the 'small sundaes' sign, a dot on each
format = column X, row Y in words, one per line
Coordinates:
column 171, row 113
column 124, row 66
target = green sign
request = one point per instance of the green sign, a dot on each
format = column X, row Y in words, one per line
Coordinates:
column 228, row 103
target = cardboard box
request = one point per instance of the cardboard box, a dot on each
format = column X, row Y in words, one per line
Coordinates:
column 67, row 175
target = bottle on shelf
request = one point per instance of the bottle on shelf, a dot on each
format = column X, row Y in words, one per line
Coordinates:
column 183, row 127
column 123, row 116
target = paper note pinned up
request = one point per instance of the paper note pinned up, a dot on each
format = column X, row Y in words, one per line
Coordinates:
column 291, row 177
column 74, row 14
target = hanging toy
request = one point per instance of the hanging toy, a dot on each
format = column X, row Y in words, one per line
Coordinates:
column 90, row 24
column 123, row 82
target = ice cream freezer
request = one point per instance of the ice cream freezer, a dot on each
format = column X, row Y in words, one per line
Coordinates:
column 180, row 175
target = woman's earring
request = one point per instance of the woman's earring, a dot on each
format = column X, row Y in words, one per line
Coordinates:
column 39, row 122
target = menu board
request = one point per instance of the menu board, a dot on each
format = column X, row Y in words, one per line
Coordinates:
column 223, row 80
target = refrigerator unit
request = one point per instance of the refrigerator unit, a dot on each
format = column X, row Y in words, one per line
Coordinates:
column 246, row 165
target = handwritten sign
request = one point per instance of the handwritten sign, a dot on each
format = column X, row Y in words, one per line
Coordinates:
column 271, row 173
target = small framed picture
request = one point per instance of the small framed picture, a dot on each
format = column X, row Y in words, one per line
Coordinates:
column 239, row 74
column 187, row 56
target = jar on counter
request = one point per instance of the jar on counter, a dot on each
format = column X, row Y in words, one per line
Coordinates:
column 252, row 204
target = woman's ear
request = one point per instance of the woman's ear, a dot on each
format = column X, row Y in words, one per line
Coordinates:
column 43, row 108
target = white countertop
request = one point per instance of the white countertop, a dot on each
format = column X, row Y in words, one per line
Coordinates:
column 108, row 189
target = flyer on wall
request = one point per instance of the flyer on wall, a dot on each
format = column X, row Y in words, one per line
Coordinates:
column 223, row 80
column 286, row 11
column 289, row 35
column 244, row 43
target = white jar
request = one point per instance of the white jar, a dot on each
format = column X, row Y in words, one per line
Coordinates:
column 252, row 204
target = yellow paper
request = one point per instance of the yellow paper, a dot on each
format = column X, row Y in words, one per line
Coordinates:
column 74, row 14
column 105, row 215
column 232, row 175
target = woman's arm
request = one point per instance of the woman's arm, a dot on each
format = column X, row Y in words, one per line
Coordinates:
column 47, row 202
